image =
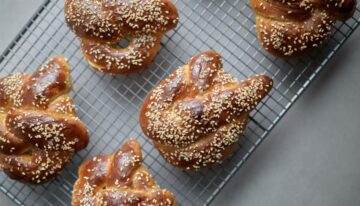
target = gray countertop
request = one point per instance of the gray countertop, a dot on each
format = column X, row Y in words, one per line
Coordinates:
column 311, row 158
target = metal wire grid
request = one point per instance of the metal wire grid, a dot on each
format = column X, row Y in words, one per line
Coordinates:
column 109, row 105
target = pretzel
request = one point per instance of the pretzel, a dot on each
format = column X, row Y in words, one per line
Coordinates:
column 292, row 27
column 102, row 24
column 196, row 116
column 39, row 130
column 119, row 179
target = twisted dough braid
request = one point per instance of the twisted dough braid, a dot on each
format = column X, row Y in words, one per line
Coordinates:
column 196, row 116
column 119, row 179
column 102, row 24
column 39, row 130
column 290, row 27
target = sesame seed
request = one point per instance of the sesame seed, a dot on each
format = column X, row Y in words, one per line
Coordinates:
column 291, row 27
column 40, row 131
column 199, row 112
column 119, row 179
column 101, row 25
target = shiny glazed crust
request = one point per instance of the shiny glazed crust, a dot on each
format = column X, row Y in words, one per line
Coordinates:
column 118, row 179
column 102, row 24
column 196, row 116
column 292, row 27
column 39, row 130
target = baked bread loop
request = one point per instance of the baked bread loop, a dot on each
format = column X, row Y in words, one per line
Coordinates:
column 196, row 116
column 108, row 58
column 39, row 130
column 292, row 27
column 118, row 179
column 102, row 24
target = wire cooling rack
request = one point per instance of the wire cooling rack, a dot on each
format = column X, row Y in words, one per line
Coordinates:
column 109, row 105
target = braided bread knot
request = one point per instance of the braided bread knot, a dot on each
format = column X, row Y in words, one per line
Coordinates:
column 290, row 27
column 102, row 24
column 39, row 130
column 196, row 116
column 119, row 179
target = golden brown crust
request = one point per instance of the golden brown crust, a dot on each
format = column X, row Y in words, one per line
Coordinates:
column 102, row 24
column 144, row 46
column 118, row 179
column 291, row 27
column 196, row 116
column 39, row 130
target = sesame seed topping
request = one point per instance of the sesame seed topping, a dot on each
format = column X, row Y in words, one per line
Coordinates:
column 119, row 179
column 101, row 25
column 40, row 130
column 290, row 27
column 200, row 111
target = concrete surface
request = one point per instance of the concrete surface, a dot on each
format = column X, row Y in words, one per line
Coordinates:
column 13, row 16
column 311, row 158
